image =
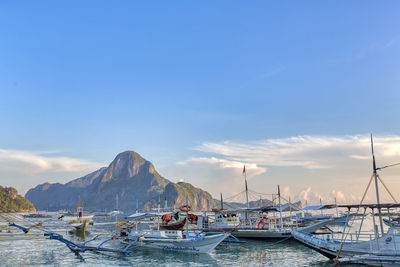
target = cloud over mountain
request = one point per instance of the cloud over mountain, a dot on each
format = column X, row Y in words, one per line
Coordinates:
column 28, row 162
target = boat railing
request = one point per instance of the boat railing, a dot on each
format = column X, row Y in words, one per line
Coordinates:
column 353, row 237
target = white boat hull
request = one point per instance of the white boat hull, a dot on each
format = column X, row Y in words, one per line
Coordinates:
column 387, row 245
column 372, row 260
column 261, row 234
column 189, row 245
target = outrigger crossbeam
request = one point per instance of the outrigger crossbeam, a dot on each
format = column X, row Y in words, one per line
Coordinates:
column 83, row 247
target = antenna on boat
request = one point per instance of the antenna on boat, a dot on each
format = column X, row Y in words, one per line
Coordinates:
column 376, row 185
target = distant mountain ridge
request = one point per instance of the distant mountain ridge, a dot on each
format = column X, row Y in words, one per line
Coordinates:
column 10, row 201
column 129, row 176
column 257, row 203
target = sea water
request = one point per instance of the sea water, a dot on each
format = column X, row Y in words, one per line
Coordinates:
column 45, row 252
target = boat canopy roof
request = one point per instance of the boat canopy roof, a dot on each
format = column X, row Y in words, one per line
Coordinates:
column 371, row 206
column 254, row 209
column 319, row 207
column 285, row 207
column 136, row 216
column 261, row 209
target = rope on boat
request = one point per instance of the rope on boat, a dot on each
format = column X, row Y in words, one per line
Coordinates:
column 387, row 189
column 235, row 239
column 83, row 247
column 351, row 224
column 280, row 241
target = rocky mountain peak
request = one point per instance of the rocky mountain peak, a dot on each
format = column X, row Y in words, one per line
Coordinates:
column 126, row 164
column 130, row 177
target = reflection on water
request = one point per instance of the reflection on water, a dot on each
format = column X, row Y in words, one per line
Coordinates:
column 41, row 251
column 253, row 253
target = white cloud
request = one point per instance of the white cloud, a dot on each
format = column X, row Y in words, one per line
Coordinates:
column 307, row 167
column 340, row 197
column 312, row 152
column 32, row 163
column 360, row 157
column 251, row 168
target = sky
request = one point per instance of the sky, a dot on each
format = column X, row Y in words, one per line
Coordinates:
column 292, row 89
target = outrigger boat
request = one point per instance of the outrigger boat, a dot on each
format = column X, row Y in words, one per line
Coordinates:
column 163, row 239
column 266, row 222
column 172, row 240
column 177, row 220
column 377, row 248
column 76, row 219
column 358, row 243
column 116, row 211
column 259, row 225
column 175, row 240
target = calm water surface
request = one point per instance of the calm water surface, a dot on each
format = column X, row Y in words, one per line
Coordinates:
column 44, row 252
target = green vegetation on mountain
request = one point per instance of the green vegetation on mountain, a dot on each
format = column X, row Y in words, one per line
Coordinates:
column 198, row 199
column 10, row 201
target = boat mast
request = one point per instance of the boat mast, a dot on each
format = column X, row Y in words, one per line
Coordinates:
column 222, row 203
column 320, row 203
column 159, row 201
column 280, row 208
column 376, row 185
column 116, row 201
column 187, row 216
column 245, row 183
column 337, row 214
column 247, row 193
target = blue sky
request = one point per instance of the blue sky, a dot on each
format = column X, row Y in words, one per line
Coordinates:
column 85, row 80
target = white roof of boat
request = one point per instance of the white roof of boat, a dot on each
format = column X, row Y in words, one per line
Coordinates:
column 319, row 207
